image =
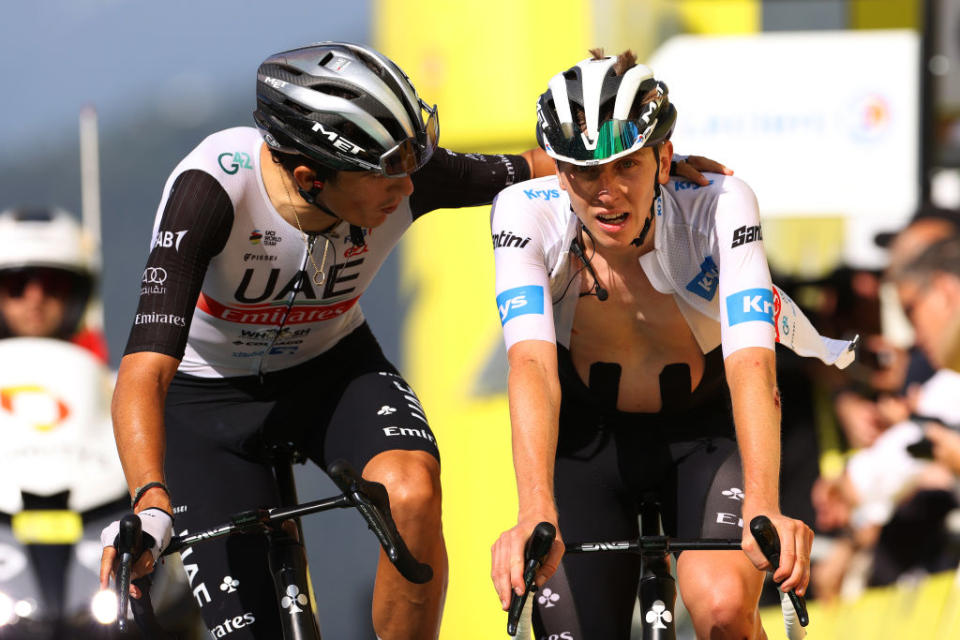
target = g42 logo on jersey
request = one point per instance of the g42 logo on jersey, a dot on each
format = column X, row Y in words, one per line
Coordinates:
column 237, row 160
column 704, row 284
column 746, row 235
column 520, row 301
column 750, row 305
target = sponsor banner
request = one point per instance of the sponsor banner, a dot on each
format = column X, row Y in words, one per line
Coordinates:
column 273, row 314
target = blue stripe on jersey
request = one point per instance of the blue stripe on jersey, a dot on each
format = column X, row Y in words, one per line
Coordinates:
column 519, row 301
column 750, row 305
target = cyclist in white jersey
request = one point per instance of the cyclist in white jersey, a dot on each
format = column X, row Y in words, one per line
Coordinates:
column 625, row 299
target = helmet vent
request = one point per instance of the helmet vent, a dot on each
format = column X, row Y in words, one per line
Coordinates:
column 296, row 107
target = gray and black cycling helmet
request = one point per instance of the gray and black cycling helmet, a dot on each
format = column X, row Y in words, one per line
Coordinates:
column 590, row 115
column 346, row 107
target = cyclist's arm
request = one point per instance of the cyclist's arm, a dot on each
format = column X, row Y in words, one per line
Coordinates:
column 138, row 399
column 452, row 180
column 748, row 333
column 539, row 162
column 525, row 308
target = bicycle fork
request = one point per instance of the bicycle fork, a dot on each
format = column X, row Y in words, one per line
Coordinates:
column 658, row 589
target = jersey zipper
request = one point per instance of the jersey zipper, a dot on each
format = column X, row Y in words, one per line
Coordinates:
column 311, row 241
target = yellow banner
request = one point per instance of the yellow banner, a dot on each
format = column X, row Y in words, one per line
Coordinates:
column 484, row 64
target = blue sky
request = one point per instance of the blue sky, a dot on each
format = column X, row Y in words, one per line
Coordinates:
column 176, row 58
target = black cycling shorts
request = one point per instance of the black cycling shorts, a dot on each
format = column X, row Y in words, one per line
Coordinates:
column 685, row 457
column 348, row 403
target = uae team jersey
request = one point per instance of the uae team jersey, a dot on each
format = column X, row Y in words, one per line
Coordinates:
column 708, row 252
column 230, row 287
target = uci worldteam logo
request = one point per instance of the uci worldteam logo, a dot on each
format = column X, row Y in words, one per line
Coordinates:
column 231, row 161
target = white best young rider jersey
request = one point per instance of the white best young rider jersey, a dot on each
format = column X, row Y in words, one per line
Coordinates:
column 231, row 288
column 708, row 252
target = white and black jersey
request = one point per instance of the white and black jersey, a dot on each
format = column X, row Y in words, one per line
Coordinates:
column 229, row 285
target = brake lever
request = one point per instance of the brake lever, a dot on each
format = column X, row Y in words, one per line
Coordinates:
column 769, row 542
column 373, row 503
column 537, row 548
column 129, row 543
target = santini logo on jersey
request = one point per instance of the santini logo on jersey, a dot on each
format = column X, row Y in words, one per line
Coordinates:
column 520, row 301
column 507, row 239
column 704, row 284
column 746, row 235
column 541, row 194
column 750, row 305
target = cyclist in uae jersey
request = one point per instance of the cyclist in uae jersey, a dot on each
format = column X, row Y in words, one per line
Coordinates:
column 249, row 331
column 629, row 304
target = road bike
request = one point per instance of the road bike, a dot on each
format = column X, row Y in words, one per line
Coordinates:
column 286, row 556
column 657, row 591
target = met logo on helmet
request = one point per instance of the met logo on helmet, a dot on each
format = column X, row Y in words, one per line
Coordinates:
column 337, row 140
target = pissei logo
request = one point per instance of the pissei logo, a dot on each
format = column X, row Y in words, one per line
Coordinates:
column 233, row 161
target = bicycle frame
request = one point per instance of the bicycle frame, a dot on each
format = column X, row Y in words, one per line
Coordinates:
column 657, row 590
column 286, row 555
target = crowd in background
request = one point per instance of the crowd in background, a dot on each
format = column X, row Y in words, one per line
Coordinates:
column 871, row 455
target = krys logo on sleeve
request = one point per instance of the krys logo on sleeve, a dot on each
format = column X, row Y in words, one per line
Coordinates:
column 750, row 305
column 520, row 301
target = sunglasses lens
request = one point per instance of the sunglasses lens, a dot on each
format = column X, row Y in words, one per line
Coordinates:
column 53, row 281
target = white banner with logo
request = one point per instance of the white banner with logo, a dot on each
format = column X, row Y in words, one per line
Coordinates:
column 820, row 124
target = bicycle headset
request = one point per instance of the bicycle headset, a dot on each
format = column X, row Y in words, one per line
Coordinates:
column 596, row 112
column 48, row 243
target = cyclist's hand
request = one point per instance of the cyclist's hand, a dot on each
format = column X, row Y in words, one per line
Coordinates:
column 796, row 538
column 691, row 168
column 507, row 558
column 157, row 527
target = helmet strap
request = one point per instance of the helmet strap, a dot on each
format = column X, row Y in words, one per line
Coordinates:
column 638, row 241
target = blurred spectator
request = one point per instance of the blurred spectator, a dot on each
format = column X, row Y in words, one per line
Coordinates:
column 47, row 277
column 909, row 534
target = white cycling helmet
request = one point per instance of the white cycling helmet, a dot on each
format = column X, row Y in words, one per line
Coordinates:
column 595, row 112
column 36, row 238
